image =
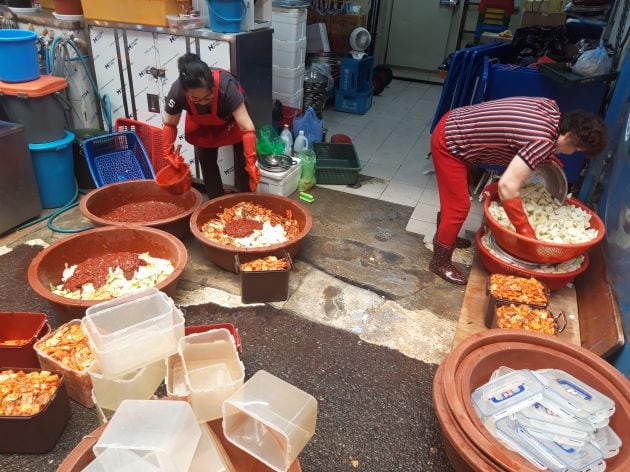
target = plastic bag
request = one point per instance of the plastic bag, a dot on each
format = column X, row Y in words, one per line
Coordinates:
column 268, row 142
column 593, row 62
column 307, row 177
column 317, row 71
column 312, row 126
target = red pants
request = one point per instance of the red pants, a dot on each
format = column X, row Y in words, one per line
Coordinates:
column 452, row 179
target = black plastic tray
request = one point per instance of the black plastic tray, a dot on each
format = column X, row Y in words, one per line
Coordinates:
column 267, row 285
column 561, row 73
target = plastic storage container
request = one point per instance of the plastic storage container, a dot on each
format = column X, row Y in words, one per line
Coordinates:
column 78, row 383
column 134, row 331
column 290, row 100
column 270, row 419
column 210, row 455
column 212, row 371
column 18, row 50
column 21, row 326
column 163, row 432
column 54, row 171
column 337, row 163
column 608, row 441
column 288, row 54
column 266, row 285
column 288, row 24
column 287, row 81
column 39, row 105
column 139, row 385
column 359, row 103
column 38, row 433
column 510, row 434
column 355, row 75
column 279, row 183
column 141, row 12
column 185, row 23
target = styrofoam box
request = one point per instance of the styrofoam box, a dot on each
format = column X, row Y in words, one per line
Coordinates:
column 287, row 81
column 163, row 432
column 293, row 100
column 289, row 54
column 280, row 183
column 288, row 24
column 138, row 385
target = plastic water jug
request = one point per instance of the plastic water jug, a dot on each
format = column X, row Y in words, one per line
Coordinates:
column 301, row 142
column 287, row 137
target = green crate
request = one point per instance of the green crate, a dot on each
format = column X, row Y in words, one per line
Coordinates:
column 336, row 164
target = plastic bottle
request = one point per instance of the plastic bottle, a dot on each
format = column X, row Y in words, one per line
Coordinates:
column 287, row 137
column 301, row 142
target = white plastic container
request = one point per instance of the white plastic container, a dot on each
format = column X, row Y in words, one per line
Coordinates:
column 295, row 100
column 587, row 458
column 280, row 183
column 131, row 332
column 289, row 54
column 270, row 419
column 210, row 455
column 301, row 142
column 165, row 433
column 607, row 441
column 287, row 137
column 509, row 433
column 138, row 385
column 185, row 23
column 288, row 24
column 288, row 81
column 212, row 371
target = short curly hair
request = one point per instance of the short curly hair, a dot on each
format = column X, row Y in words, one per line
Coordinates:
column 589, row 130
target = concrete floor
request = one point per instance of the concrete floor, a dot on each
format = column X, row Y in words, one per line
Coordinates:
column 363, row 329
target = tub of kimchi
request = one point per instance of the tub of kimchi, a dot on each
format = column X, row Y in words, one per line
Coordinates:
column 528, row 318
column 264, row 279
column 34, row 410
column 67, row 350
column 508, row 289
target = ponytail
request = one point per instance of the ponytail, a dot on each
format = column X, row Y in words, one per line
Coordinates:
column 193, row 72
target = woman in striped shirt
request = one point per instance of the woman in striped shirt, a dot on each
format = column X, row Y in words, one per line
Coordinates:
column 519, row 133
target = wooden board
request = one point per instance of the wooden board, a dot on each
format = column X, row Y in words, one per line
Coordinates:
column 473, row 313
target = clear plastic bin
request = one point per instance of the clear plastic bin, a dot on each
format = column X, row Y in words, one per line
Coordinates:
column 585, row 458
column 608, row 441
column 112, row 460
column 212, row 371
column 210, row 455
column 164, row 433
column 270, row 419
column 175, row 381
column 509, row 433
column 537, row 418
column 138, row 385
column 184, row 23
column 131, row 332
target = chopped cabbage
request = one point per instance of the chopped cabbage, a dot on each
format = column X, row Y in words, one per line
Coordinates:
column 117, row 285
column 552, row 221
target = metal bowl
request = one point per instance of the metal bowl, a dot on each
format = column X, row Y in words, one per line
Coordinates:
column 553, row 178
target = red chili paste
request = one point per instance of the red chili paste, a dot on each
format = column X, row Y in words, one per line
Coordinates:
column 242, row 227
column 95, row 269
column 140, row 212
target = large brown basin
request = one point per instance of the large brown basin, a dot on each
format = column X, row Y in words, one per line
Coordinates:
column 47, row 267
column 224, row 256
column 102, row 200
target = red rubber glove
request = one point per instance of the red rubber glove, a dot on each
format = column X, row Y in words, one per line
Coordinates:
column 169, row 135
column 516, row 213
column 249, row 149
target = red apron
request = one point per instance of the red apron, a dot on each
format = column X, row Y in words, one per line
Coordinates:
column 208, row 130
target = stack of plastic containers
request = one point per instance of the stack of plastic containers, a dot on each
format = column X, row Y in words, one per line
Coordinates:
column 355, row 91
column 549, row 417
column 131, row 337
column 39, row 104
column 289, row 53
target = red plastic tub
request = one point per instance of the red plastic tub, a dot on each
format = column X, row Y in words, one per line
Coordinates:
column 21, row 326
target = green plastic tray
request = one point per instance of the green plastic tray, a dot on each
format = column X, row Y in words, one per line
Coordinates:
column 336, row 164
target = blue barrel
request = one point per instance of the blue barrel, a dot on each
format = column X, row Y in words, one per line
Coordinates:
column 226, row 15
column 18, row 51
column 54, row 171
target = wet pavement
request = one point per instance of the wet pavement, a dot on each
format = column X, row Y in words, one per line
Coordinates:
column 363, row 329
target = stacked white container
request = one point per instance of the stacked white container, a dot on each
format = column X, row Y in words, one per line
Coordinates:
column 289, row 54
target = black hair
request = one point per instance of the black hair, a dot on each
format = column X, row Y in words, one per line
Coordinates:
column 589, row 130
column 193, row 72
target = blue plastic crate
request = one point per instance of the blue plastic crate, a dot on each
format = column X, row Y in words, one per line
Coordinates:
column 358, row 103
column 355, row 75
column 117, row 157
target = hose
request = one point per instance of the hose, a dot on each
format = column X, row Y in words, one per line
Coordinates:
column 58, row 212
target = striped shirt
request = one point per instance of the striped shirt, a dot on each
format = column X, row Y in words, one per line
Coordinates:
column 494, row 132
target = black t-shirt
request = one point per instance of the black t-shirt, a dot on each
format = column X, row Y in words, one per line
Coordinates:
column 229, row 98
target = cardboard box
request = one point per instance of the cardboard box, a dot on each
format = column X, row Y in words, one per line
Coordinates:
column 339, row 44
column 544, row 6
column 543, row 19
column 344, row 24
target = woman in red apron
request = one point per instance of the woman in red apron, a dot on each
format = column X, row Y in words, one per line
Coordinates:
column 216, row 115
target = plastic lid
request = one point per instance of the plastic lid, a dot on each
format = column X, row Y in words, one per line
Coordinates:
column 43, row 86
column 507, row 394
column 577, row 396
column 539, row 418
column 587, row 457
column 608, row 441
column 509, row 434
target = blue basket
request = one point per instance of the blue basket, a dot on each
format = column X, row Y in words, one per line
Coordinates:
column 117, row 157
column 358, row 103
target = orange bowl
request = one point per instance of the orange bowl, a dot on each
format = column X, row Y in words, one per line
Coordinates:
column 48, row 266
